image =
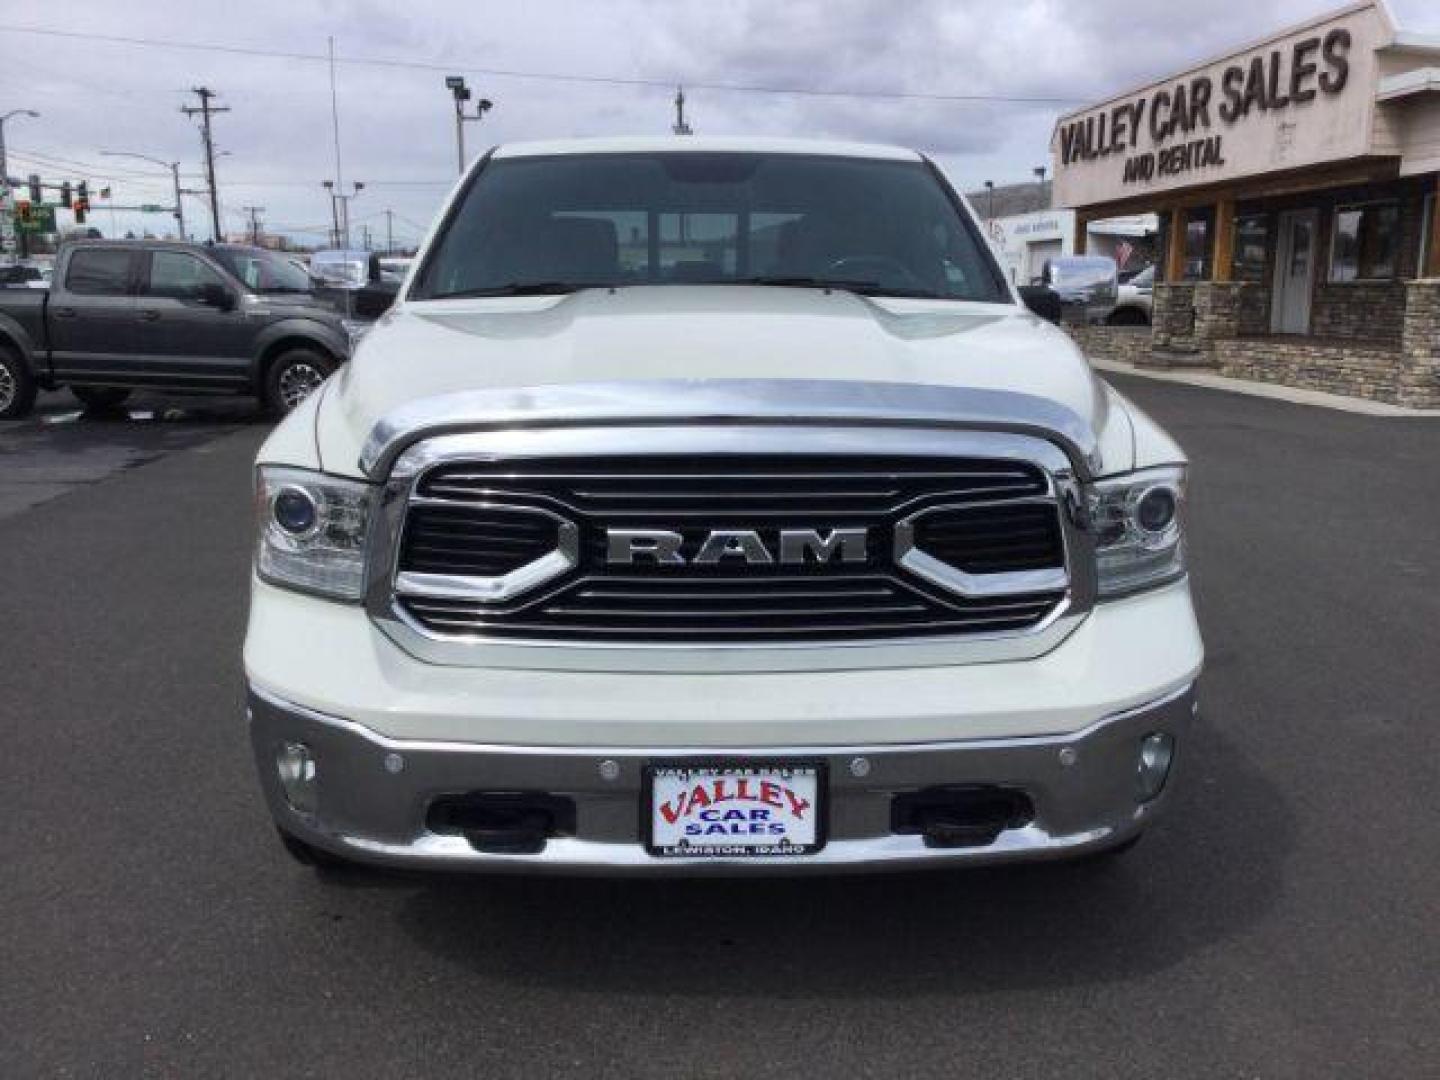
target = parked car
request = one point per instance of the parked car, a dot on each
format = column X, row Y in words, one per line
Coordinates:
column 354, row 282
column 23, row 276
column 126, row 315
column 803, row 548
column 1086, row 285
column 1133, row 301
column 393, row 268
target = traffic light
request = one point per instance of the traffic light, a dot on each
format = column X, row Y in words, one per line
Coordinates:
column 22, row 208
column 65, row 194
column 82, row 202
column 36, row 195
column 105, row 193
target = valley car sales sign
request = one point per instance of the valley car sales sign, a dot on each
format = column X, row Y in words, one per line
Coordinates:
column 1303, row 97
column 717, row 810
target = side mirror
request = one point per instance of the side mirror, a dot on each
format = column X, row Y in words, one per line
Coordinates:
column 1043, row 301
column 216, row 296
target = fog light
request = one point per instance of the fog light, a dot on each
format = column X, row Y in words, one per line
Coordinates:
column 1157, row 751
column 296, row 768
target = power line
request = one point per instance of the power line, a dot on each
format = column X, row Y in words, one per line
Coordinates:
column 550, row 76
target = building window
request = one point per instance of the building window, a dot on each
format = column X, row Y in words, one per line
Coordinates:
column 1252, row 237
column 1197, row 245
column 1365, row 242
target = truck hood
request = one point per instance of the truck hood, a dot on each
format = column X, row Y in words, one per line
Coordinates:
column 599, row 336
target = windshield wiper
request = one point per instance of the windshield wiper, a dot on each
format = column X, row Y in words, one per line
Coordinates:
column 515, row 288
column 861, row 288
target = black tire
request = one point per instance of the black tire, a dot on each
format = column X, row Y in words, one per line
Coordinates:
column 293, row 376
column 17, row 385
column 1128, row 316
column 100, row 397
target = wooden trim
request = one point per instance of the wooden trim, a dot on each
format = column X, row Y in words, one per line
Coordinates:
column 1293, row 182
column 1432, row 257
column 1223, row 250
column 1175, row 246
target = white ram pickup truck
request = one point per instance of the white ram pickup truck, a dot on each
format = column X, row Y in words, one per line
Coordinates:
column 715, row 506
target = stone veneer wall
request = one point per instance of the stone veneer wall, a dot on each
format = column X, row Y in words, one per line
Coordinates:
column 1364, row 310
column 1172, row 314
column 1403, row 372
column 1122, row 344
column 1352, row 368
column 1419, row 383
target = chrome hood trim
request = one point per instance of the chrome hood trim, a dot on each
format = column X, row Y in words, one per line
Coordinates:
column 731, row 401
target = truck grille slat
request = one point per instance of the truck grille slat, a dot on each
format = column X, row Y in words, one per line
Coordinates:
column 476, row 519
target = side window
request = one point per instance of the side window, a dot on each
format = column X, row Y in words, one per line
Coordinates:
column 99, row 272
column 179, row 276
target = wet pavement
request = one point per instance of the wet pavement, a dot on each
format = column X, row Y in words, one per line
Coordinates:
column 61, row 446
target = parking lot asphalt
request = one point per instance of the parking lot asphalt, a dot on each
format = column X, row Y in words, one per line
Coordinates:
column 1281, row 922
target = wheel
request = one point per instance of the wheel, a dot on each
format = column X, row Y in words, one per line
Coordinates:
column 100, row 397
column 1128, row 316
column 316, row 858
column 293, row 377
column 17, row 385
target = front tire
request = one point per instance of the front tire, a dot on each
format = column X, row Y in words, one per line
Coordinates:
column 17, row 385
column 1128, row 316
column 294, row 376
column 100, row 397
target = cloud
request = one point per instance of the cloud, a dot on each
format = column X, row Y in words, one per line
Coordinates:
column 397, row 127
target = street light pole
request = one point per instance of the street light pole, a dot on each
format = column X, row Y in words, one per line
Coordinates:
column 173, row 166
column 461, row 93
column 4, row 165
column 6, row 225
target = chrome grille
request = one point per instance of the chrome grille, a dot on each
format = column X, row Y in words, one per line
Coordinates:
column 474, row 540
column 696, row 609
column 991, row 515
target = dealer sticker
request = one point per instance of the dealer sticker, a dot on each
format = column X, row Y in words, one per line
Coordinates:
column 709, row 811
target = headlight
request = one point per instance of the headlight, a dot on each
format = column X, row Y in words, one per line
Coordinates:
column 355, row 330
column 312, row 531
column 1139, row 524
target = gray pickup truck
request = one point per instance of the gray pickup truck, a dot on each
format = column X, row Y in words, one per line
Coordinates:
column 183, row 318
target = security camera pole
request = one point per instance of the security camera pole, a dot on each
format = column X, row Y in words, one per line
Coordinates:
column 461, row 93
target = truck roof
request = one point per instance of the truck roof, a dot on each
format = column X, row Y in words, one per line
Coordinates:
column 704, row 144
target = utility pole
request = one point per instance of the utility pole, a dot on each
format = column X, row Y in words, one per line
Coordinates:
column 206, row 110
column 255, row 212
column 680, row 127
column 340, row 210
column 461, row 93
column 389, row 232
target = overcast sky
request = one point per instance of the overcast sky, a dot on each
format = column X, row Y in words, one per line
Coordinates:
column 396, row 123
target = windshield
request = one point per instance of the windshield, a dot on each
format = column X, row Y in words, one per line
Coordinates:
column 555, row 224
column 263, row 271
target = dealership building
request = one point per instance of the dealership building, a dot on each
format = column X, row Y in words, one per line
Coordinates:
column 1294, row 180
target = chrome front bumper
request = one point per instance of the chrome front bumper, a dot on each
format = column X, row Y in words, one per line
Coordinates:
column 374, row 793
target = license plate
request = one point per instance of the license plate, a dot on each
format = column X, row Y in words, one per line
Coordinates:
column 730, row 810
